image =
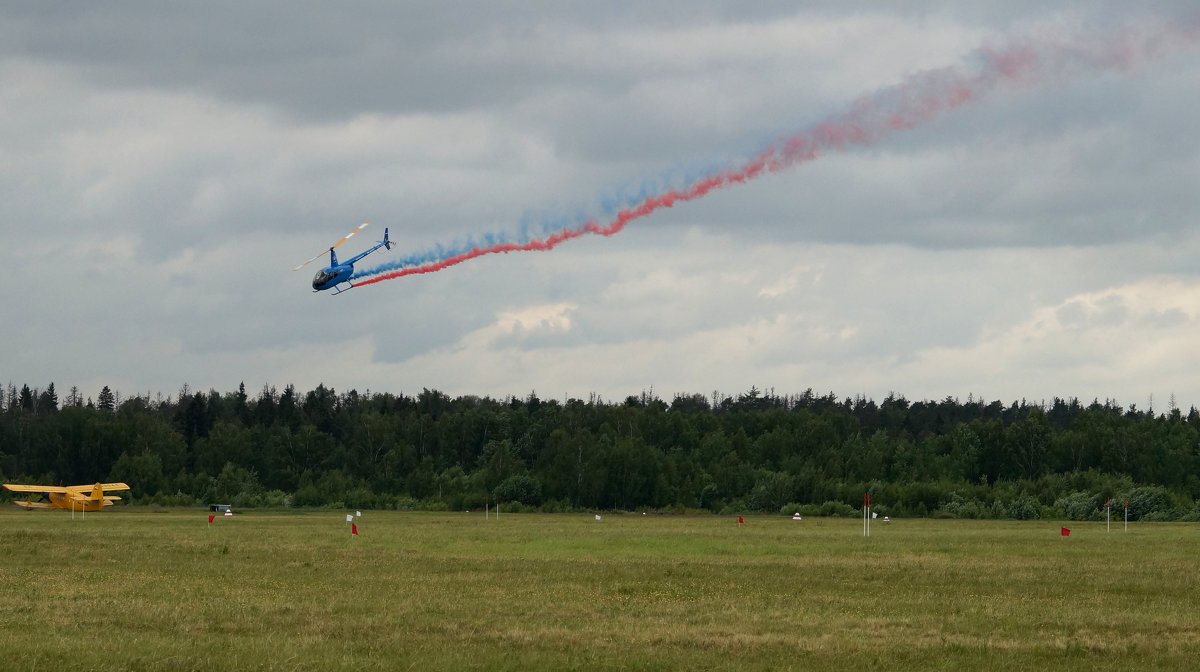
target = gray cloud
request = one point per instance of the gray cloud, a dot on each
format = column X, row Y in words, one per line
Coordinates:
column 165, row 168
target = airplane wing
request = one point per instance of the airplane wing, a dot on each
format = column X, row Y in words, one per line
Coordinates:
column 34, row 505
column 89, row 488
column 38, row 488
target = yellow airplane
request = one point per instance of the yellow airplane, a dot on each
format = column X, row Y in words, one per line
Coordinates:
column 71, row 497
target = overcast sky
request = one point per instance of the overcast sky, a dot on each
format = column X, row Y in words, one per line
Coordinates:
column 162, row 169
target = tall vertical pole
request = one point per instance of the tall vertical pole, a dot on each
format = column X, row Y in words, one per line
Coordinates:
column 866, row 514
column 1108, row 514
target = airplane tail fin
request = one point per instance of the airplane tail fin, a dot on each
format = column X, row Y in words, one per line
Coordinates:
column 98, row 494
column 386, row 243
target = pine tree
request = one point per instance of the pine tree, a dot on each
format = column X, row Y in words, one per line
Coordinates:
column 106, row 401
column 240, row 408
column 48, row 401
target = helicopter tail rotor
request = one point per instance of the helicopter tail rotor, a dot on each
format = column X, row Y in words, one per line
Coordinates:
column 343, row 239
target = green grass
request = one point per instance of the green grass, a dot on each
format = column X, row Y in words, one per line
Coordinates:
column 134, row 589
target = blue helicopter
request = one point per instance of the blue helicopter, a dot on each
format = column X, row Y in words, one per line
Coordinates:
column 336, row 273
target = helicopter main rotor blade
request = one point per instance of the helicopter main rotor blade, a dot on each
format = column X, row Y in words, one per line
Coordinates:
column 343, row 239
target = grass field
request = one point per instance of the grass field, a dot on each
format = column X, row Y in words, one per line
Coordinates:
column 135, row 589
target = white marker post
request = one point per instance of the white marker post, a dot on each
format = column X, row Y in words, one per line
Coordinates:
column 1108, row 514
column 866, row 514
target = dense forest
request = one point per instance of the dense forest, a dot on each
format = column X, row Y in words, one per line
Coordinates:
column 755, row 451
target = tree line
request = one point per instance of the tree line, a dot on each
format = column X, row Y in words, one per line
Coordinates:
column 754, row 451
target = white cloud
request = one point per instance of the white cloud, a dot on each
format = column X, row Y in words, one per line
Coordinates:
column 1125, row 342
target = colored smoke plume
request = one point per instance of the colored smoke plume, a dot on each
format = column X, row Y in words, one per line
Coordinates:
column 915, row 101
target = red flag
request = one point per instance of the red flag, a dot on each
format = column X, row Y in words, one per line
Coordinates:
column 740, row 521
column 354, row 529
column 1066, row 531
column 210, row 518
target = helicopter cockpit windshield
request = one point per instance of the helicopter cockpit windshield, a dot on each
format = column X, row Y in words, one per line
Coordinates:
column 322, row 278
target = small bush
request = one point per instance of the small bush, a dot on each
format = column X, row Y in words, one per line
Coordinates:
column 521, row 488
column 1150, row 503
column 733, row 508
column 1080, row 506
column 1165, row 515
column 1025, row 508
column 959, row 508
column 557, row 506
column 838, row 510
column 792, row 508
column 1190, row 516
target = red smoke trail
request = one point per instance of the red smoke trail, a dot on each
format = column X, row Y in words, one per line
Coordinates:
column 915, row 101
